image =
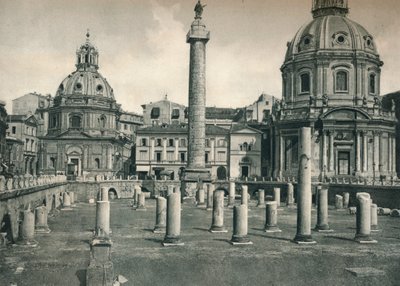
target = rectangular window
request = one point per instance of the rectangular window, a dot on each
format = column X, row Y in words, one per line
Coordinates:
column 158, row 156
column 14, row 130
column 175, row 113
column 206, row 157
column 171, row 142
column 155, row 112
column 182, row 143
column 183, row 157
column 207, row 142
column 305, row 83
column 125, row 127
column 341, row 81
column 158, row 142
column 144, row 142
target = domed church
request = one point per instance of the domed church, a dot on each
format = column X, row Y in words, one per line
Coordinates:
column 82, row 136
column 331, row 83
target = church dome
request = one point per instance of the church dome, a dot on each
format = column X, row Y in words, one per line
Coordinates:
column 331, row 30
column 86, row 80
column 85, row 83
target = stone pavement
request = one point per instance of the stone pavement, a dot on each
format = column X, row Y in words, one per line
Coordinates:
column 206, row 259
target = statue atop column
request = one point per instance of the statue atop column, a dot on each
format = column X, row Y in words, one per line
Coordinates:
column 198, row 9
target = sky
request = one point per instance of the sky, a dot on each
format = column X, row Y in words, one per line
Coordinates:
column 143, row 49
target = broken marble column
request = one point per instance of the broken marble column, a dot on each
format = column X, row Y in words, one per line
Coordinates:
column 240, row 225
column 102, row 229
column 103, row 195
column 26, row 235
column 363, row 222
column 173, row 230
column 210, row 193
column 100, row 271
column 290, row 195
column 304, row 193
column 322, row 211
column 66, row 204
column 141, row 205
column 161, row 215
column 201, row 198
column 231, row 198
column 217, row 225
column 170, row 190
column 277, row 196
column 261, row 198
column 374, row 217
column 137, row 191
column 245, row 195
column 338, row 202
column 41, row 225
column 271, row 217
column 346, row 200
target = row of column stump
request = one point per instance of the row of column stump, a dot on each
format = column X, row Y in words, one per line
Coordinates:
column 32, row 223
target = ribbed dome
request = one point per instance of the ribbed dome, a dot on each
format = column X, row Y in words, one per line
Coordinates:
column 85, row 83
column 331, row 32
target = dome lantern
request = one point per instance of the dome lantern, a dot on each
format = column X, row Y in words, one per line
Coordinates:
column 87, row 56
column 329, row 7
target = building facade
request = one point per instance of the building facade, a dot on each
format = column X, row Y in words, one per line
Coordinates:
column 84, row 136
column 23, row 128
column 331, row 83
column 162, row 151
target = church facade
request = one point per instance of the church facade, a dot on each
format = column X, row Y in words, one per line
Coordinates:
column 85, row 135
column 331, row 83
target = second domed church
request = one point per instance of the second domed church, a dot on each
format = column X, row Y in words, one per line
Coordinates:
column 331, row 82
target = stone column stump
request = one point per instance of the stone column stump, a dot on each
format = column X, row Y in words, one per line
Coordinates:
column 271, row 217
column 217, row 225
column 240, row 225
column 41, row 225
column 173, row 231
column 161, row 215
column 363, row 221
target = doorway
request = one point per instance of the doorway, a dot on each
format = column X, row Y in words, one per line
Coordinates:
column 245, row 171
column 343, row 163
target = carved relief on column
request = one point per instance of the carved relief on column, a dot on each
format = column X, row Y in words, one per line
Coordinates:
column 394, row 157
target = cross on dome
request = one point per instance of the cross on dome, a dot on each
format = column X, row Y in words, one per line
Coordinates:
column 330, row 7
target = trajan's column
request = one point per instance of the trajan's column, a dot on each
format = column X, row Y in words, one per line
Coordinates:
column 196, row 171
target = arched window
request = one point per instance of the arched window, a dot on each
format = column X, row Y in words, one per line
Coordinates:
column 75, row 121
column 305, row 83
column 103, row 121
column 97, row 163
column 372, row 83
column 245, row 146
column 342, row 82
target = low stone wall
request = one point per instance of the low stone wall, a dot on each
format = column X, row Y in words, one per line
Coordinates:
column 13, row 202
column 383, row 196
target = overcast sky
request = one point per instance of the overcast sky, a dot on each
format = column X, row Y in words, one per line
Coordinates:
column 143, row 50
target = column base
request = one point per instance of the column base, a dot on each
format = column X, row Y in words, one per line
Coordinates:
column 159, row 229
column 272, row 229
column 27, row 243
column 304, row 239
column 374, row 228
column 172, row 241
column 261, row 206
column 230, row 206
column 365, row 240
column 322, row 228
column 218, row 229
column 240, row 240
column 42, row 229
column 100, row 270
column 201, row 205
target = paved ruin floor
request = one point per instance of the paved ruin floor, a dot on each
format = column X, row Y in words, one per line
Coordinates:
column 206, row 259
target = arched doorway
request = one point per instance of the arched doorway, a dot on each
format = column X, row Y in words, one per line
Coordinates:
column 221, row 173
column 112, row 194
